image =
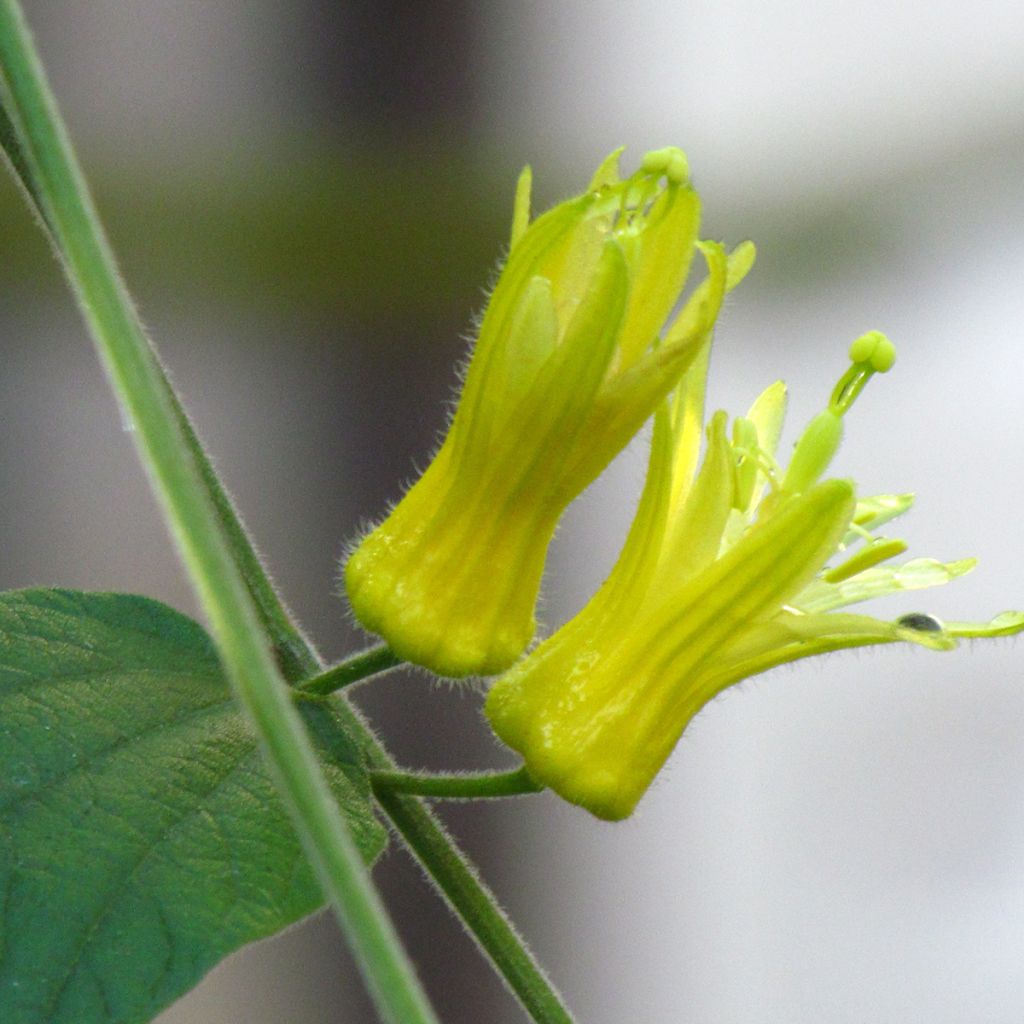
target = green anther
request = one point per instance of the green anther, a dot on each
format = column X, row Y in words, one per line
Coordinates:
column 814, row 451
column 670, row 161
column 877, row 551
column 874, row 349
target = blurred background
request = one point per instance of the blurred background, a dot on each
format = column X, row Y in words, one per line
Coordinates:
column 308, row 199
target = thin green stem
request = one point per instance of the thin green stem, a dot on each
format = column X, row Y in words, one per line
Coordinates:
column 371, row 662
column 467, row 786
column 165, row 451
column 458, row 882
column 422, row 832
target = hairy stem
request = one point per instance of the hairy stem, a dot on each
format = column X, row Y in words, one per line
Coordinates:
column 164, row 448
column 371, row 662
column 457, row 881
column 467, row 786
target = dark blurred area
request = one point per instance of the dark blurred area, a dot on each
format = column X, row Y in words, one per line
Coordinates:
column 308, row 201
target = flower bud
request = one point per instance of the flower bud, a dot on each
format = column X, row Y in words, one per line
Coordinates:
column 572, row 357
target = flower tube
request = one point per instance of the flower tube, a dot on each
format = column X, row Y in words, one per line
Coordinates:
column 572, row 357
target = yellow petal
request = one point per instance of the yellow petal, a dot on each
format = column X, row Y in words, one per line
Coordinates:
column 667, row 240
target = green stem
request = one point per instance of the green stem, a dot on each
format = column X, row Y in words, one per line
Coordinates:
column 165, row 451
column 293, row 651
column 457, row 881
column 423, row 834
column 354, row 669
column 482, row 786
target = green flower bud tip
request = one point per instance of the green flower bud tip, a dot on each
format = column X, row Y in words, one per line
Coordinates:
column 715, row 584
column 576, row 349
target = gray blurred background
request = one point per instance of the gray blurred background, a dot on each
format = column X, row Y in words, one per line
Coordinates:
column 308, row 197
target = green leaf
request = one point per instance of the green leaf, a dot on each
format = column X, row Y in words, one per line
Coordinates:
column 141, row 839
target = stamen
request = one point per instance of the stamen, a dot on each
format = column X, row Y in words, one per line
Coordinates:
column 670, row 161
column 871, row 353
column 872, row 554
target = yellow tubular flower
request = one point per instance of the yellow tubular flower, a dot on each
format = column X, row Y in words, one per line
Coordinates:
column 724, row 574
column 573, row 356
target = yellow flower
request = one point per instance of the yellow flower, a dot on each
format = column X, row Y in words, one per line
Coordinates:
column 723, row 575
column 573, row 356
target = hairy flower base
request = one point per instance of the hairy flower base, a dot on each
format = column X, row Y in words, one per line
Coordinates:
column 451, row 578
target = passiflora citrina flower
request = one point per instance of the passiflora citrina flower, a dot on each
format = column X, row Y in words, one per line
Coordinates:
column 576, row 349
column 725, row 573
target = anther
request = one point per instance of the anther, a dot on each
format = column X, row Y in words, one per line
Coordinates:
column 670, row 161
column 875, row 349
column 871, row 353
column 873, row 553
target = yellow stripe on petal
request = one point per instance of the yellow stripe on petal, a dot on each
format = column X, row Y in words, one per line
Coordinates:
column 480, row 404
column 623, row 592
column 774, row 561
column 724, row 273
column 533, row 336
column 551, row 417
